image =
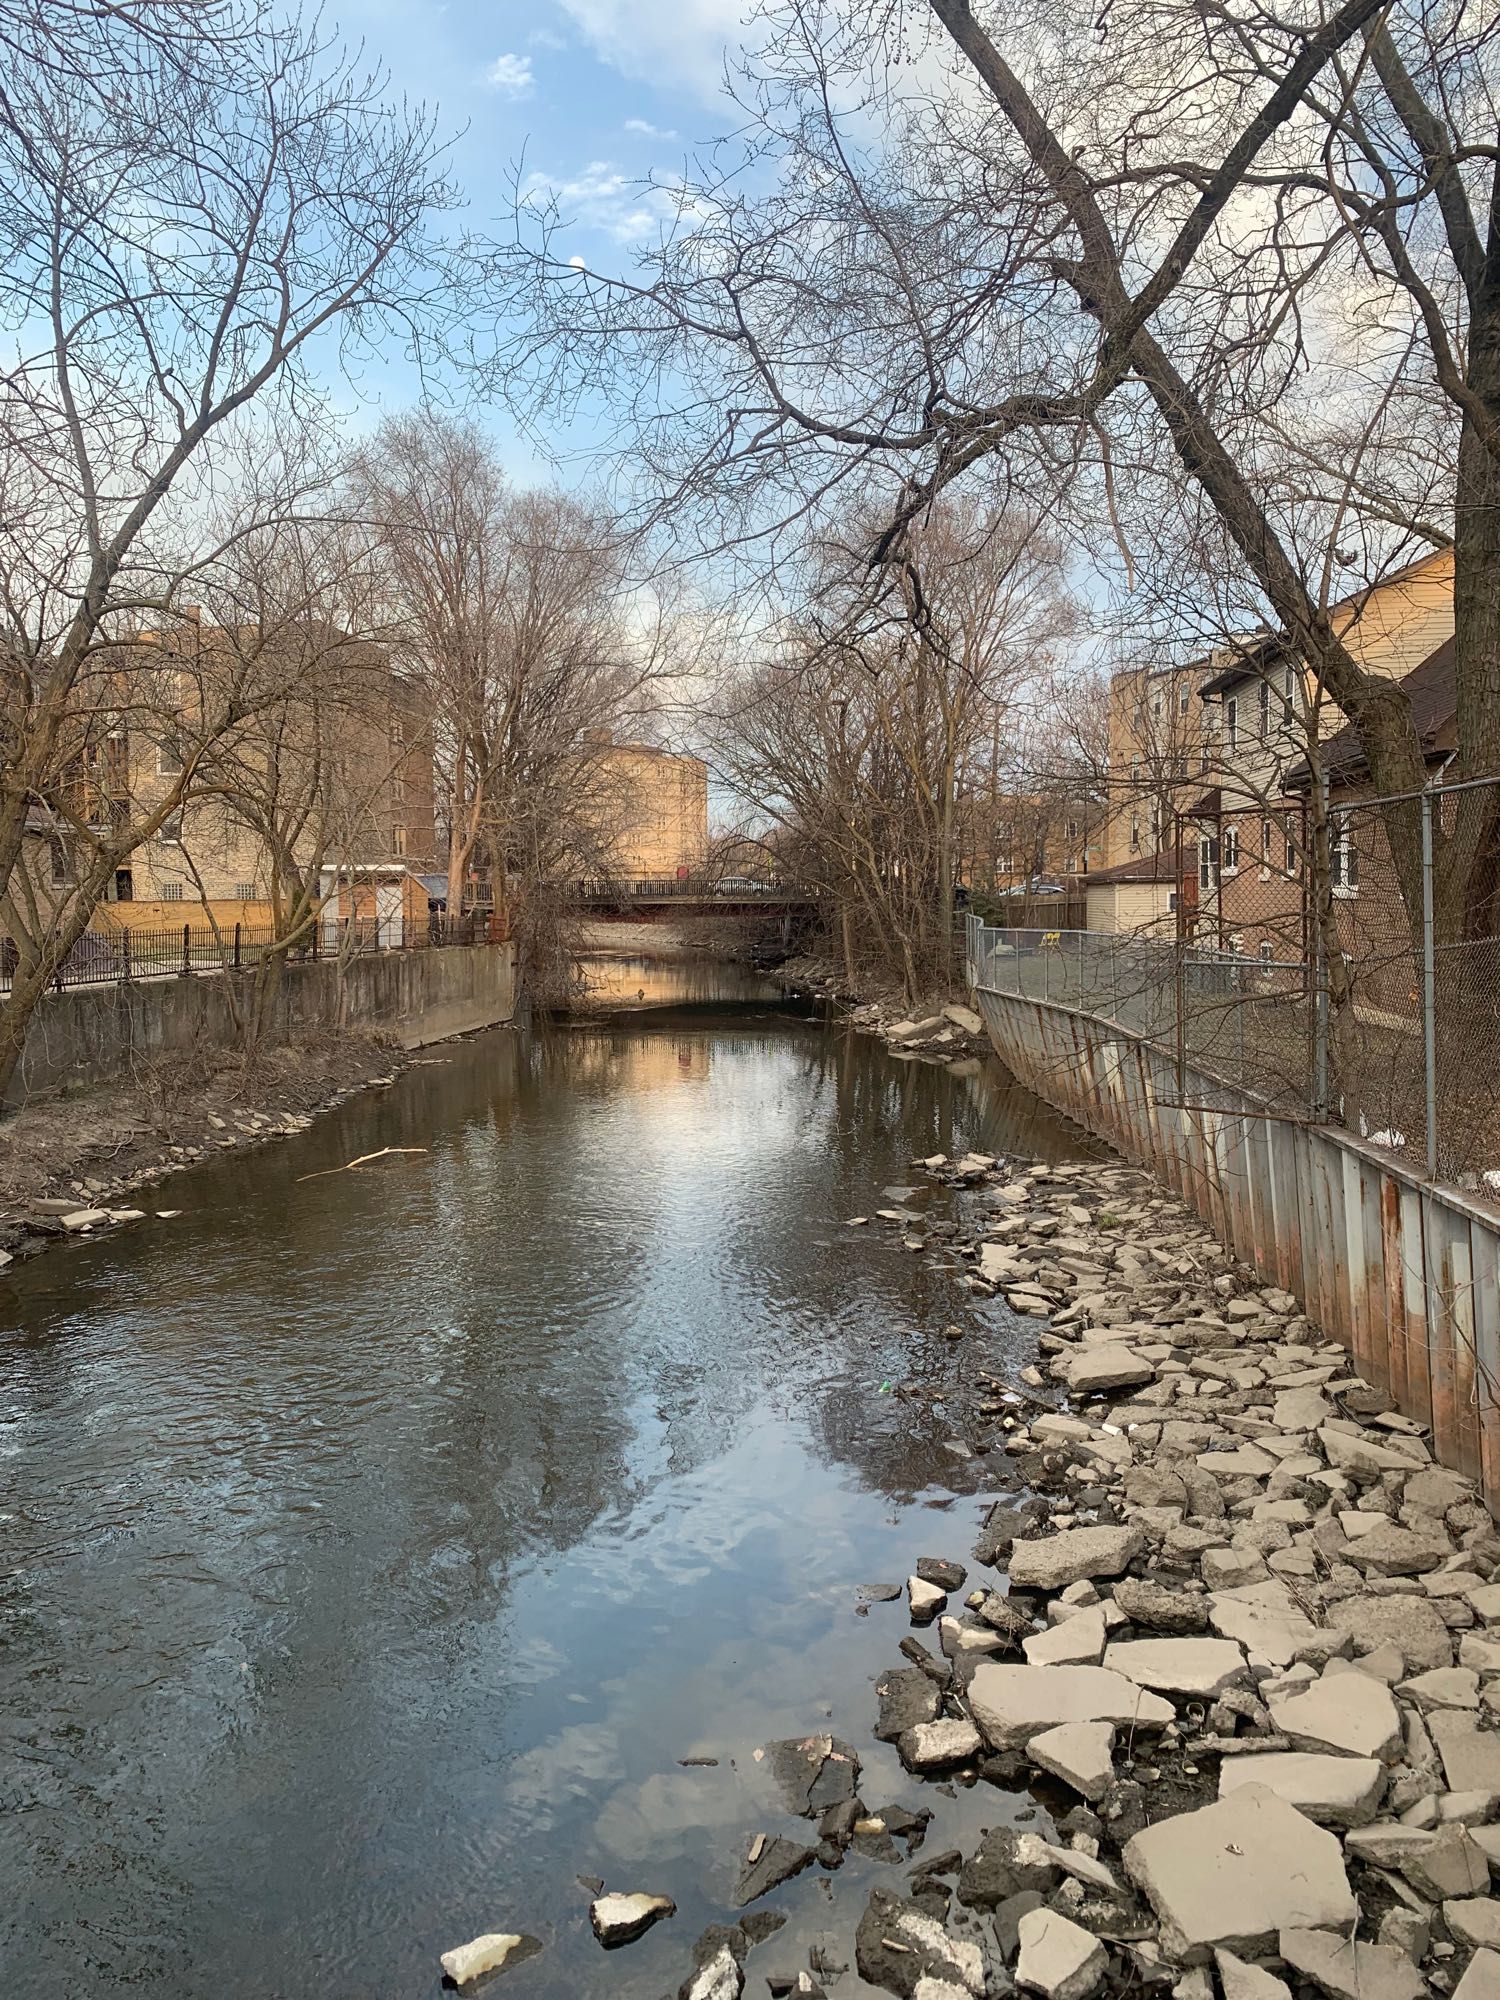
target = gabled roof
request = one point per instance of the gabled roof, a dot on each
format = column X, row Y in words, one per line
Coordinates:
column 1257, row 659
column 1164, row 866
column 1432, row 691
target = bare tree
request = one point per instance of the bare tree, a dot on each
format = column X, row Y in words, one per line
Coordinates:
column 173, row 251
column 1239, row 264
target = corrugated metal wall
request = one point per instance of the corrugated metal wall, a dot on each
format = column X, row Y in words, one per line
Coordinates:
column 1403, row 1273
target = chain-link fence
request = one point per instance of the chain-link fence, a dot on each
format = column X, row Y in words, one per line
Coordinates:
column 126, row 952
column 1336, row 955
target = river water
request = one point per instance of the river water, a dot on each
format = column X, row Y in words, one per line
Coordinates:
column 376, row 1543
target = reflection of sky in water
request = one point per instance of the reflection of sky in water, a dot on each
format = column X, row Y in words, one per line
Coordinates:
column 380, row 1541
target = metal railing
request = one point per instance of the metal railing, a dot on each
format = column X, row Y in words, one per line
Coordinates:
column 609, row 890
column 1348, row 976
column 126, row 953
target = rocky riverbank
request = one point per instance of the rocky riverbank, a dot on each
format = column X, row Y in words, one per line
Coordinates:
column 1230, row 1630
column 940, row 1030
column 75, row 1165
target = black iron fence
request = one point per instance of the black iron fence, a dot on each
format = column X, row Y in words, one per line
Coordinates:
column 125, row 952
column 609, row 891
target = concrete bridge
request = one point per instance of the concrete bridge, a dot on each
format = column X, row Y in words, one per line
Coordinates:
column 672, row 898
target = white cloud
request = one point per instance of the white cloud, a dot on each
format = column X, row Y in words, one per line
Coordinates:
column 682, row 44
column 544, row 38
column 601, row 197
column 647, row 130
column 511, row 75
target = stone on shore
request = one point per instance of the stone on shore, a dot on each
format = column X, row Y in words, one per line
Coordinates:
column 1239, row 1980
column 897, row 1945
column 1099, row 1370
column 926, row 1600
column 619, row 1919
column 719, row 1976
column 1482, row 1980
column 1012, row 1704
column 481, row 1955
column 965, row 1018
column 1334, row 1791
column 1080, row 1753
column 1474, row 1920
column 935, row 1746
column 1055, row 1561
column 1471, row 1756
column 1235, row 1874
column 1178, row 1666
column 1058, row 1958
column 775, row 1861
column 1412, row 1624
column 1267, row 1622
column 1350, row 1971
column 1077, row 1641
column 813, row 1772
column 1347, row 1712
column 1160, row 1609
column 907, row 1697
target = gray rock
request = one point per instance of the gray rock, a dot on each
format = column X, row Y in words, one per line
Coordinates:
column 1235, row 1874
column 934, row 1746
column 1006, row 1863
column 1482, row 1980
column 939, row 1570
column 1242, row 1981
column 1438, row 1862
column 1393, row 1551
column 1413, row 1624
column 1334, row 1791
column 907, row 1696
column 1160, row 1609
column 1346, row 1712
column 1348, row 1971
column 776, row 1861
column 1471, row 1756
column 1058, row 1958
column 1474, row 1920
column 485, row 1954
column 1012, row 1704
column 1080, row 1753
column 1265, row 1620
column 1098, row 1370
column 1076, row 1641
column 814, row 1772
column 618, row 1919
column 1072, row 1554
column 1179, row 1666
column 926, row 1600
column 897, row 1945
column 1443, row 1687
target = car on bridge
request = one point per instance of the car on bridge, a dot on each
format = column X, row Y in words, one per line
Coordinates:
column 741, row 885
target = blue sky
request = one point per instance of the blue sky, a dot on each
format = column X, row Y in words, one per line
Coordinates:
column 594, row 94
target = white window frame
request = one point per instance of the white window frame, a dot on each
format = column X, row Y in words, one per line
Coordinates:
column 165, row 767
column 164, row 834
column 1229, row 850
column 1263, row 713
column 1205, row 863
column 1343, row 856
column 1232, row 721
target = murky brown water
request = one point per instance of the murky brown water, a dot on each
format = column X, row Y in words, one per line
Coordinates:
column 375, row 1545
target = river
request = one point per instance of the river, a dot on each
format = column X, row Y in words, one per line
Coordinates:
column 377, row 1542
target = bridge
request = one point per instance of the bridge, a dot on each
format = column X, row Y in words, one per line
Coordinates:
column 668, row 897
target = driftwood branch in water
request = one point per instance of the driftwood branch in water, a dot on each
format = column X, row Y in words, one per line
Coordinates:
column 363, row 1159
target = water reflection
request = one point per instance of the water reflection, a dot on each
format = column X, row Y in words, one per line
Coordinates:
column 376, row 1542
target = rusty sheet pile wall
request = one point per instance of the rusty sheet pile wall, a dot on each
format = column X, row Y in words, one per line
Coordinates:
column 1404, row 1272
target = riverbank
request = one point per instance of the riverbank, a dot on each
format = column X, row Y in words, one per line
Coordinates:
column 941, row 1028
column 1231, row 1629
column 87, row 1153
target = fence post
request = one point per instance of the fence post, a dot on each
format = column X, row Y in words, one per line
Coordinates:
column 236, row 947
column 1429, row 991
column 125, row 953
column 187, row 950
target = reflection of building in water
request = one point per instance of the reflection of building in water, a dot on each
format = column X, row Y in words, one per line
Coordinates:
column 636, row 1061
column 653, row 807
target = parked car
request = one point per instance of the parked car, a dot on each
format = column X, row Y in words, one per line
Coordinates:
column 741, row 885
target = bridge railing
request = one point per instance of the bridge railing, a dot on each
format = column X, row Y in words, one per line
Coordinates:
column 610, row 890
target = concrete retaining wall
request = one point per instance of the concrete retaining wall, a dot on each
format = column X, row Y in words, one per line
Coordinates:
column 1405, row 1273
column 93, row 1034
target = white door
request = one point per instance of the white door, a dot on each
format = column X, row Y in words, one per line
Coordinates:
column 388, row 915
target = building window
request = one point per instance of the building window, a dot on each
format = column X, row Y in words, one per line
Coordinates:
column 1184, row 700
column 398, row 787
column 171, row 892
column 57, row 855
column 169, row 833
column 1343, row 856
column 1158, row 707
column 1156, row 826
column 1265, row 951
column 1265, row 843
column 124, row 886
column 1205, row 863
column 1135, row 770
column 398, row 840
column 1264, row 717
column 1205, row 758
column 1135, row 836
column 244, row 892
column 1230, row 850
column 1289, row 693
column 168, row 761
column 398, row 732
column 1072, row 829
column 1232, row 721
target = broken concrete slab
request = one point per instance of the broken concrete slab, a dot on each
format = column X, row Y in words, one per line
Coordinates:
column 1349, row 1971
column 1350, row 1713
column 1236, row 1874
column 1058, row 1959
column 1413, row 1624
column 897, row 1945
column 487, row 1954
column 769, row 1864
column 1332, row 1790
column 1482, row 1980
column 937, row 1746
column 1178, row 1666
column 1471, row 1755
column 1054, row 1561
column 1239, row 1980
column 1474, row 1920
column 618, row 1919
column 1080, row 1753
column 1160, row 1609
column 1077, row 1641
column 1012, row 1704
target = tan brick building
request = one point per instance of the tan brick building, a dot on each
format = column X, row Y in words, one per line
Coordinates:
column 653, row 813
